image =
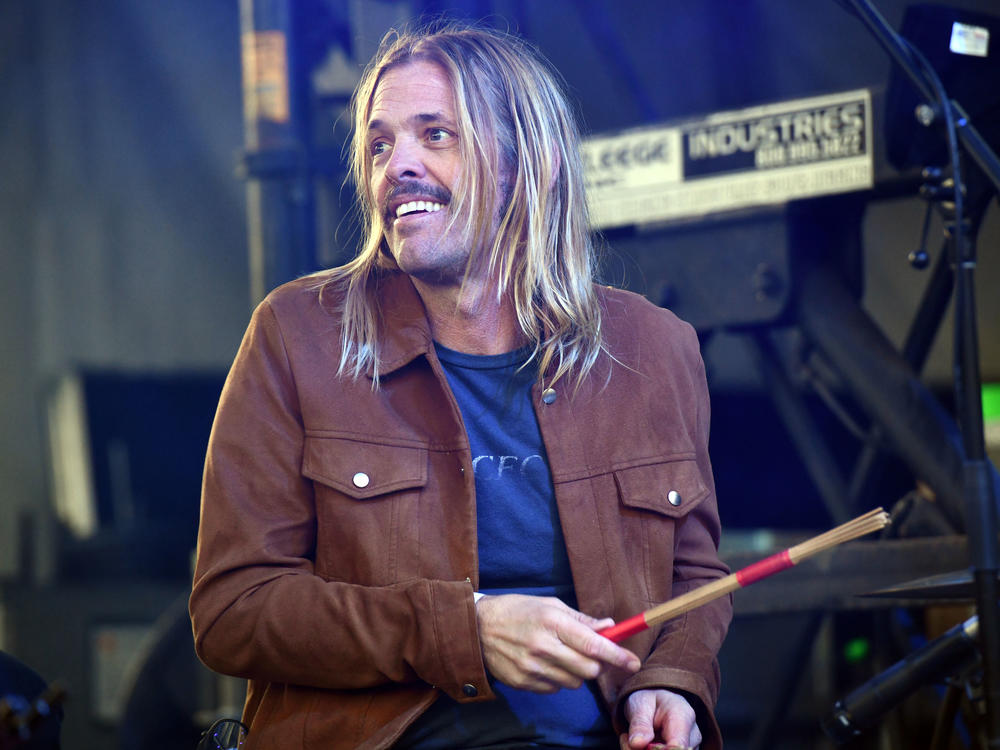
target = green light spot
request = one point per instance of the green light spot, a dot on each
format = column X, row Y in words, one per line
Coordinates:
column 991, row 401
column 856, row 650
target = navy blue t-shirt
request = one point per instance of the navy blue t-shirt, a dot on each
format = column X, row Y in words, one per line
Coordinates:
column 521, row 550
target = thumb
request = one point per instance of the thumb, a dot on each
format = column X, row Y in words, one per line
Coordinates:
column 640, row 733
column 640, row 721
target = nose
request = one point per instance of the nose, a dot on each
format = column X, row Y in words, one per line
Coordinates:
column 405, row 161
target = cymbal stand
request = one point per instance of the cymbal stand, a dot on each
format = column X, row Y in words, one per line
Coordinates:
column 946, row 715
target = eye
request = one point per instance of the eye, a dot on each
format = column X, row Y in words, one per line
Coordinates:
column 439, row 135
column 377, row 148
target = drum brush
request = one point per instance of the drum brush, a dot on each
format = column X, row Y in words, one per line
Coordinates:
column 871, row 521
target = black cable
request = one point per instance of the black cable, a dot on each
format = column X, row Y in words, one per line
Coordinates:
column 948, row 112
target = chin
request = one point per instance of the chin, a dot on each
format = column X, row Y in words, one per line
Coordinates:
column 435, row 275
column 432, row 267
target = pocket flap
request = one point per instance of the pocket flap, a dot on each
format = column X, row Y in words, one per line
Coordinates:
column 361, row 469
column 671, row 488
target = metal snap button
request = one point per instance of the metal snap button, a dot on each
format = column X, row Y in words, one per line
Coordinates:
column 549, row 395
column 674, row 498
column 469, row 690
column 361, row 480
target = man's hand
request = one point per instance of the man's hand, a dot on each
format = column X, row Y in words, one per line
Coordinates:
column 659, row 713
column 539, row 644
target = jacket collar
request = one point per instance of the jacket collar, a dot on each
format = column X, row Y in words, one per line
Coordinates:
column 404, row 333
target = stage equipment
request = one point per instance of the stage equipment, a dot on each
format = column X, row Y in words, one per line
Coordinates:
column 280, row 196
column 979, row 484
column 759, row 156
column 224, row 734
column 792, row 272
column 766, row 269
column 171, row 699
column 25, row 723
column 957, row 44
column 955, row 586
column 951, row 654
column 742, row 168
column 127, row 451
column 30, row 711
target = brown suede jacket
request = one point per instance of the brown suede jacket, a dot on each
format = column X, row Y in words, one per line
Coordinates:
column 337, row 551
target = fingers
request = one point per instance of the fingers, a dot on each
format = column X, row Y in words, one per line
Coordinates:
column 540, row 644
column 662, row 713
column 676, row 720
column 684, row 731
column 546, row 664
column 584, row 640
column 565, row 641
column 591, row 622
column 640, row 709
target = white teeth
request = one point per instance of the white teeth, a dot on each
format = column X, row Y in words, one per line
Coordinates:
column 409, row 208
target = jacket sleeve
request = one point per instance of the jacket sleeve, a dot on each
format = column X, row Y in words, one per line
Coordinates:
column 684, row 654
column 258, row 608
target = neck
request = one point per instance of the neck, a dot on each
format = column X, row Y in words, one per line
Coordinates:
column 471, row 319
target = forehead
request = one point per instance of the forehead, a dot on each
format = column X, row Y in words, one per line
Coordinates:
column 410, row 91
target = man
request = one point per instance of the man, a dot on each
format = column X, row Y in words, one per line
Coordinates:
column 437, row 472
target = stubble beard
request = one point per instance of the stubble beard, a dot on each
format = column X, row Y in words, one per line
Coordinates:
column 438, row 261
column 446, row 260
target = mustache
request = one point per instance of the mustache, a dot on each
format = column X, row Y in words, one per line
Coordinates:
column 415, row 189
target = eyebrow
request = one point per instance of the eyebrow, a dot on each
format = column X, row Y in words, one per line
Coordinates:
column 422, row 117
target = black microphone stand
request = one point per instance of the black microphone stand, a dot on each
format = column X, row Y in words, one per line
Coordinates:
column 980, row 495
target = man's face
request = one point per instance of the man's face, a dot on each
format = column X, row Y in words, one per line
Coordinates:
column 413, row 144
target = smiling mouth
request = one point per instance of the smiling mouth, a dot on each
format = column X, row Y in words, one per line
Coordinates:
column 417, row 207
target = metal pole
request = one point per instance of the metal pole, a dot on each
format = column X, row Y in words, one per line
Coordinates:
column 279, row 190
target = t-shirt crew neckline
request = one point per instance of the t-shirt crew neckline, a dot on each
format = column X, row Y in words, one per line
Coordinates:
column 482, row 361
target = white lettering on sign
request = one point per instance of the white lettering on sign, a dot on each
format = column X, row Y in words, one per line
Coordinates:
column 763, row 155
column 634, row 159
column 843, row 123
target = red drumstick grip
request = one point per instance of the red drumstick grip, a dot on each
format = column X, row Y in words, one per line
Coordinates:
column 626, row 628
column 764, row 568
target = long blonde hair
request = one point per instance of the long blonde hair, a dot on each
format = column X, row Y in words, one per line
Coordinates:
column 513, row 115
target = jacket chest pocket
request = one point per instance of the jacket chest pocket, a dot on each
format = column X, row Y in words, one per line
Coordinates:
column 367, row 496
column 656, row 499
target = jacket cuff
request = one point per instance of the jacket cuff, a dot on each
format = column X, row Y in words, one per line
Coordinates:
column 463, row 673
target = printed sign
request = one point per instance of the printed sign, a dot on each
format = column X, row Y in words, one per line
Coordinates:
column 969, row 40
column 764, row 155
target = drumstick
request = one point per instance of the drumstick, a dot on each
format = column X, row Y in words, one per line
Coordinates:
column 871, row 521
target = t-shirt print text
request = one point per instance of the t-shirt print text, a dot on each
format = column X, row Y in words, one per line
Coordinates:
column 495, row 468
